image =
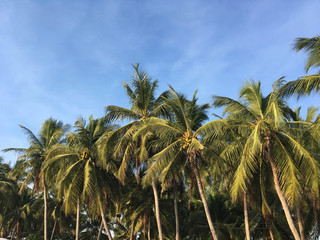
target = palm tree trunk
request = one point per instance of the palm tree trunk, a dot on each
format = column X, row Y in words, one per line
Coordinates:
column 45, row 209
column 100, row 230
column 203, row 198
column 105, row 224
column 149, row 227
column 176, row 214
column 271, row 234
column 18, row 231
column 156, row 201
column 300, row 222
column 13, row 231
column 54, row 229
column 282, row 198
column 246, row 218
column 132, row 231
column 78, row 219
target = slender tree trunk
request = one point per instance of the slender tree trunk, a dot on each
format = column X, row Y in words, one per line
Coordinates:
column 78, row 219
column 100, row 230
column 204, row 201
column 149, row 227
column 176, row 214
column 105, row 224
column 300, row 222
column 45, row 209
column 132, row 231
column 14, row 229
column 54, row 229
column 246, row 218
column 18, row 231
column 156, row 201
column 270, row 233
column 282, row 198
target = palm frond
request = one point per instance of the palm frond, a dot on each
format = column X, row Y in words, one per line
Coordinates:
column 115, row 113
column 31, row 136
column 233, row 107
column 312, row 47
column 309, row 165
column 248, row 162
column 302, row 86
column 161, row 162
column 311, row 113
column 289, row 173
column 251, row 93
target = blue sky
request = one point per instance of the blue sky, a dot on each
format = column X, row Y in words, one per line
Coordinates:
column 63, row 59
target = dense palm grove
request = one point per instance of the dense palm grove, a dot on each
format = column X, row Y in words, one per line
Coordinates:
column 168, row 172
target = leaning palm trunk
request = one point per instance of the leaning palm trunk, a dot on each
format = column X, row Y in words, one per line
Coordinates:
column 54, row 229
column 45, row 209
column 156, row 201
column 78, row 219
column 100, row 230
column 300, row 222
column 271, row 234
column 176, row 215
column 246, row 218
column 132, row 231
column 203, row 198
column 105, row 224
column 282, row 198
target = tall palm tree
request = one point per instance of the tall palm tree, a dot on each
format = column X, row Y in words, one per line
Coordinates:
column 144, row 105
column 34, row 156
column 83, row 174
column 302, row 128
column 269, row 141
column 180, row 142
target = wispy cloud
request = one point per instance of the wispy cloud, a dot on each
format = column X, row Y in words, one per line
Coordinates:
column 63, row 59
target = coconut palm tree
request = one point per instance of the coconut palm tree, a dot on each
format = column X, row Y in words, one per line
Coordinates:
column 269, row 141
column 51, row 133
column 179, row 142
column 144, row 105
column 83, row 174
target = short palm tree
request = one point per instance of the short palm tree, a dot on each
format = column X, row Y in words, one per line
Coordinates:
column 51, row 133
column 270, row 141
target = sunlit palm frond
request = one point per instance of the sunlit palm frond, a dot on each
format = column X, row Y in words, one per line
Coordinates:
column 115, row 113
column 161, row 162
column 251, row 94
column 309, row 166
column 233, row 107
column 305, row 85
column 312, row 47
column 289, row 173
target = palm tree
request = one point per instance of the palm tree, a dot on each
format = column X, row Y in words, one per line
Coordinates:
column 143, row 106
column 269, row 141
column 34, row 156
column 180, row 142
column 83, row 174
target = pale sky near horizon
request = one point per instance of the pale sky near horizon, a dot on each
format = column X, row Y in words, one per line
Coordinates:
column 63, row 59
